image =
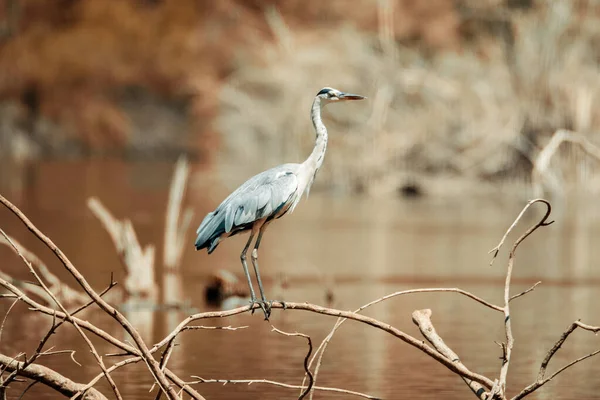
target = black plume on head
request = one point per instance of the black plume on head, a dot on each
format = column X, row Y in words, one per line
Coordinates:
column 324, row 91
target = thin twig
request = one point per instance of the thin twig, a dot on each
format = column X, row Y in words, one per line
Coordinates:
column 27, row 388
column 6, row 316
column 306, row 370
column 164, row 359
column 516, row 296
column 496, row 249
column 280, row 384
column 62, row 291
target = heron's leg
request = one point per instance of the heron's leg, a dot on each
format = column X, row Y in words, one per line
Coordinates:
column 245, row 265
column 266, row 303
column 255, row 262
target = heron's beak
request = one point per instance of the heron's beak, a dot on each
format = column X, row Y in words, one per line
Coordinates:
column 350, row 96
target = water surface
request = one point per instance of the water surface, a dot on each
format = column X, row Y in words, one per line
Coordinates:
column 358, row 248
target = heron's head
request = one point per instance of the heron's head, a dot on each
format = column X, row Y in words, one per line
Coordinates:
column 330, row 94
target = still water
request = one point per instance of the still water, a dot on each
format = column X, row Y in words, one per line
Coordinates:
column 358, row 248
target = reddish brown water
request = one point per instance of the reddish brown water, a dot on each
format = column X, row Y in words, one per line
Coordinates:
column 361, row 248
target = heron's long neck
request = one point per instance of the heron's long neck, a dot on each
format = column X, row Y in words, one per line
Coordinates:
column 314, row 161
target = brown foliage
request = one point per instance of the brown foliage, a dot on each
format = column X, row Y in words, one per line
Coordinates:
column 68, row 59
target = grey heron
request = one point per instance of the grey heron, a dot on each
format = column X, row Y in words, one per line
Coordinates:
column 268, row 196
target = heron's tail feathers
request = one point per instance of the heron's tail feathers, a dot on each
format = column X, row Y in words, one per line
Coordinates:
column 210, row 231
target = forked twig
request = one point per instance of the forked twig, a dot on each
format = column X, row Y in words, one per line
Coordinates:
column 541, row 378
column 500, row 387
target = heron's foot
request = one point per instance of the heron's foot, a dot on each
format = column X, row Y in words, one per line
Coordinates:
column 277, row 301
column 264, row 306
column 268, row 306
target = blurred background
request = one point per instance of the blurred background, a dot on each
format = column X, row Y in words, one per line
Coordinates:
column 463, row 94
column 475, row 106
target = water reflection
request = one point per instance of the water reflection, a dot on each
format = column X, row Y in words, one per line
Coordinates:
column 357, row 248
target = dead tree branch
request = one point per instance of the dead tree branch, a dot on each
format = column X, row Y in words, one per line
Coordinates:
column 284, row 385
column 63, row 292
column 460, row 370
column 138, row 261
column 49, row 377
column 176, row 230
column 68, row 317
column 541, row 173
column 152, row 364
column 323, row 346
column 541, row 379
column 422, row 318
column 500, row 388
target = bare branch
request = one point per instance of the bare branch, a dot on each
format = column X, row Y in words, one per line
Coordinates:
column 63, row 292
column 220, row 328
column 541, row 380
column 175, row 233
column 541, row 173
column 32, row 384
column 138, row 261
column 48, row 377
column 284, row 385
column 511, row 259
column 336, row 313
column 164, row 359
column 516, row 296
column 68, row 316
column 422, row 318
column 6, row 316
column 496, row 249
column 128, row 349
column 110, row 310
column 35, row 306
column 560, row 342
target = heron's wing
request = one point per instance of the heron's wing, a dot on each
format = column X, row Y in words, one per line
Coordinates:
column 267, row 196
column 262, row 196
